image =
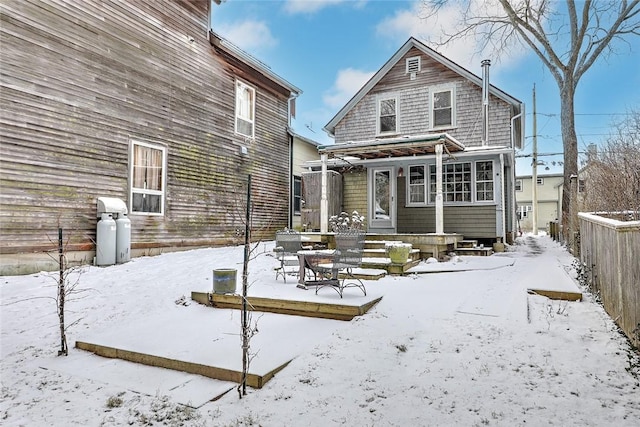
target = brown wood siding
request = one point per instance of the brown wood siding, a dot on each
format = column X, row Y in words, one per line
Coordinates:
column 360, row 123
column 472, row 221
column 80, row 81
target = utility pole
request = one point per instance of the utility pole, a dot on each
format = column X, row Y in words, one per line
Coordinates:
column 534, row 172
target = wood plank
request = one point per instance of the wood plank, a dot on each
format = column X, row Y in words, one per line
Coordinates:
column 557, row 295
column 291, row 307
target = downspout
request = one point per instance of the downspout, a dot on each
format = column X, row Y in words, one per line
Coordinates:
column 291, row 112
column 503, row 200
column 485, row 101
column 324, row 205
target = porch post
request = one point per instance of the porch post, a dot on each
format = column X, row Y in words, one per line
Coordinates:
column 439, row 204
column 324, row 205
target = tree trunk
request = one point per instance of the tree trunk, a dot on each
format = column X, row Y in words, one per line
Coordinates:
column 570, row 145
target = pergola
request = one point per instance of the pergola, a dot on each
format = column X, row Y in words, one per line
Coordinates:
column 407, row 146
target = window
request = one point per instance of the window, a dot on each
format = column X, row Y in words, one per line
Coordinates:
column 581, row 185
column 518, row 185
column 417, row 184
column 297, row 194
column 387, row 115
column 413, row 65
column 523, row 211
column 540, row 181
column 245, row 109
column 456, row 182
column 484, row 181
column 442, row 108
column 147, row 178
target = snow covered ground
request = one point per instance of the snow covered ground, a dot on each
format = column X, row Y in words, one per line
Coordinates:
column 465, row 347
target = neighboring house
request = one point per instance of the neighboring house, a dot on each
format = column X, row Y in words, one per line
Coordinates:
column 549, row 195
column 142, row 102
column 304, row 150
column 426, row 146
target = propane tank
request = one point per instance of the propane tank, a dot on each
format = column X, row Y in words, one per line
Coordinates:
column 106, row 240
column 123, row 239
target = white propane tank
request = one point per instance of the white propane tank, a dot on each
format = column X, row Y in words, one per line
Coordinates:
column 123, row 239
column 106, row 240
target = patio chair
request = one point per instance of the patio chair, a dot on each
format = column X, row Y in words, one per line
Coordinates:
column 288, row 243
column 346, row 257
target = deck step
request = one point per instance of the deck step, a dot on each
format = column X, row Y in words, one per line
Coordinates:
column 474, row 251
column 382, row 253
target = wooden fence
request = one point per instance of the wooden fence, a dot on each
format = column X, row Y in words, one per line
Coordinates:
column 610, row 255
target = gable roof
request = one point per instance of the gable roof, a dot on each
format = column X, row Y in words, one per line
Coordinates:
column 411, row 43
column 230, row 49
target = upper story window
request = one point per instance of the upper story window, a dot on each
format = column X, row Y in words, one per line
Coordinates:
column 417, row 184
column 518, row 185
column 387, row 115
column 147, row 178
column 540, row 181
column 245, row 109
column 443, row 108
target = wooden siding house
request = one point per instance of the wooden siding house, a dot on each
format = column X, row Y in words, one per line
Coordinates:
column 141, row 101
column 426, row 146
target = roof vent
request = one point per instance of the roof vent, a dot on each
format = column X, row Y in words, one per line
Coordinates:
column 413, row 66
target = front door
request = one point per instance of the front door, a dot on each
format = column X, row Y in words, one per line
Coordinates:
column 382, row 197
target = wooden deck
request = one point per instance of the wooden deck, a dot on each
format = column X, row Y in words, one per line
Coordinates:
column 282, row 306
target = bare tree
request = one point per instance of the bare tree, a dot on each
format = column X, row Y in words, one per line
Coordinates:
column 611, row 177
column 567, row 41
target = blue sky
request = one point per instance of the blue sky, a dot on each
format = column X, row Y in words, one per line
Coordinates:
column 330, row 48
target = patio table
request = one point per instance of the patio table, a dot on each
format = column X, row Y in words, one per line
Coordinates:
column 308, row 260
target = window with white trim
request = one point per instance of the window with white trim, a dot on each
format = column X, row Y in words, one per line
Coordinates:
column 387, row 115
column 147, row 178
column 540, row 181
column 518, row 185
column 245, row 109
column 417, row 184
column 442, row 108
column 484, row 181
column 456, row 182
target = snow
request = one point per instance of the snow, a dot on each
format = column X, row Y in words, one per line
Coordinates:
column 459, row 343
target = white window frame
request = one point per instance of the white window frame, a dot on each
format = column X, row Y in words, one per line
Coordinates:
column 245, row 108
column 380, row 100
column 440, row 89
column 483, row 182
column 409, row 63
column 145, row 191
column 425, row 172
column 518, row 185
column 297, row 194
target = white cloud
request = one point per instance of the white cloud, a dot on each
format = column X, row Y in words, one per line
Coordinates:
column 312, row 6
column 250, row 35
column 348, row 82
column 466, row 51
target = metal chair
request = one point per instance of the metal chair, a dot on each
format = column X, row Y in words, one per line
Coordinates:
column 288, row 243
column 346, row 257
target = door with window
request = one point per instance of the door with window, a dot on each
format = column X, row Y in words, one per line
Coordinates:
column 382, row 197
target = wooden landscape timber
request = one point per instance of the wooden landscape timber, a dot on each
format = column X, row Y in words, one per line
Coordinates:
column 253, row 380
column 557, row 295
column 280, row 306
